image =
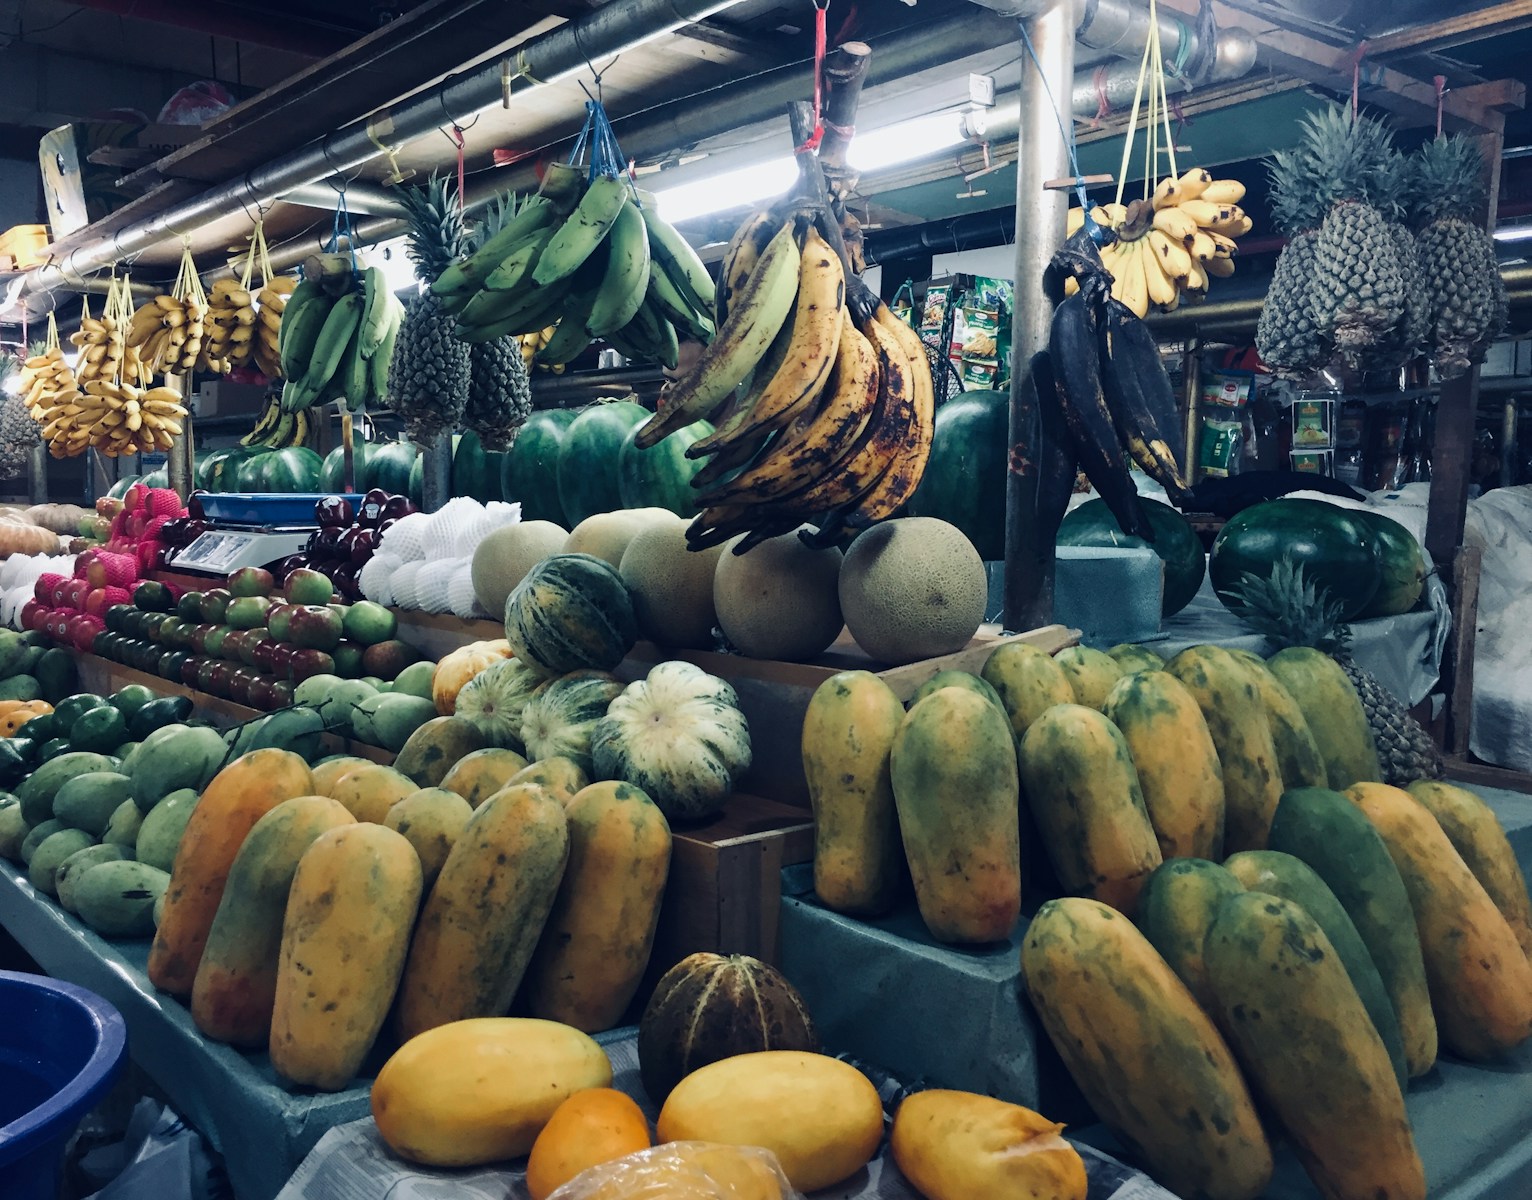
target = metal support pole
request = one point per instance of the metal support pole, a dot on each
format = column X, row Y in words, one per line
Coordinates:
column 1040, row 217
column 438, row 472
column 37, row 474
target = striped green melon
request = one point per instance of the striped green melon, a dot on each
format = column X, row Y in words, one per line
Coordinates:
column 571, row 612
column 558, row 720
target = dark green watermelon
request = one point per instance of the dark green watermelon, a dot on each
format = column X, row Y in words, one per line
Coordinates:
column 224, row 475
column 1401, row 561
column 157, row 479
column 494, row 468
column 588, row 459
column 1335, row 549
column 388, row 466
column 1177, row 544
column 331, row 475
column 417, row 485
column 964, row 482
column 471, row 470
column 120, row 489
column 530, row 471
column 661, row 476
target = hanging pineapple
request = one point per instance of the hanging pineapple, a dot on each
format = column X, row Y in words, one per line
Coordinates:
column 499, row 396
column 1407, row 337
column 1289, row 335
column 1466, row 296
column 1359, row 288
column 429, row 376
column 1290, row 611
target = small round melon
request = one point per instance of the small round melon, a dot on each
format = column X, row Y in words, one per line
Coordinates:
column 507, row 554
column 671, row 586
column 606, row 535
column 779, row 600
column 912, row 588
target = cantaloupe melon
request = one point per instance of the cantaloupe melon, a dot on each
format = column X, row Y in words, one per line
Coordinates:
column 912, row 588
column 779, row 600
column 671, row 586
column 507, row 554
column 606, row 535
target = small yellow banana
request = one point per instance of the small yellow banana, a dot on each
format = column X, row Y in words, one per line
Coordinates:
column 1224, row 191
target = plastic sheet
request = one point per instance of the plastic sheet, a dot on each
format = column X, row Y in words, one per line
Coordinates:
column 684, row 1171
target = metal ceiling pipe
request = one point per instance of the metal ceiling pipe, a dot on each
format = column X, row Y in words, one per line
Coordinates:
column 555, row 55
column 363, row 199
column 278, row 31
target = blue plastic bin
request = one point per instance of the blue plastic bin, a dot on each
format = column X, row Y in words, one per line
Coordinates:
column 268, row 508
column 61, row 1048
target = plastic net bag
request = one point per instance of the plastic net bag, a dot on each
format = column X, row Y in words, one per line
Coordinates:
column 460, row 594
column 376, row 578
column 684, row 1171
column 406, row 537
column 404, row 582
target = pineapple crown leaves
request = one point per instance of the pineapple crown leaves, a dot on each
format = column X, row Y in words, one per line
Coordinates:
column 1342, row 156
column 492, row 220
column 436, row 235
column 1450, row 181
column 1291, row 609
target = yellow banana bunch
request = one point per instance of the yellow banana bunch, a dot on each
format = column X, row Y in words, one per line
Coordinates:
column 532, row 342
column 229, row 341
column 116, row 418
column 169, row 332
column 49, row 386
column 271, row 303
column 1168, row 245
column 833, row 420
column 102, row 346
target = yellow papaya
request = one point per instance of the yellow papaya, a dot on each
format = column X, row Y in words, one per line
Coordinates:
column 1028, row 681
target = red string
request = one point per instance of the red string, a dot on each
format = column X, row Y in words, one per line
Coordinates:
column 820, row 11
column 1441, row 90
column 457, row 137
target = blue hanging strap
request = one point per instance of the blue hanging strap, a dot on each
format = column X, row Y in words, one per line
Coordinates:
column 1066, row 129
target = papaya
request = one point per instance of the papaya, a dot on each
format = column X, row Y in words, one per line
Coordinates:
column 1082, row 790
column 1334, row 713
column 1480, row 981
column 1331, row 835
column 346, row 929
column 1132, row 657
column 431, row 820
column 562, row 776
column 953, row 770
column 1149, row 1061
column 1175, row 912
column 160, row 829
column 595, row 946
column 593, row 1126
column 433, row 748
column 370, row 790
column 479, row 775
column 236, row 982
column 1475, row 833
column 482, row 920
column 1306, row 1040
column 1236, row 719
column 848, row 732
column 954, row 678
column 1091, row 673
column 1177, row 765
column 1028, row 681
column 238, row 796
column 1299, row 761
column 1276, row 874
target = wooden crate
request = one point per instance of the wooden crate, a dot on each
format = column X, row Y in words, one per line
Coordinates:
column 725, row 887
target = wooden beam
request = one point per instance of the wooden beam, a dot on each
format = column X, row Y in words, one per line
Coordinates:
column 1330, row 66
column 1465, row 625
column 1473, row 26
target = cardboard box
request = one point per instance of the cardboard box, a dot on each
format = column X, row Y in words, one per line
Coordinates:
column 221, row 398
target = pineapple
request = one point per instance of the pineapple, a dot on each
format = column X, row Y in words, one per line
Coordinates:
column 1407, row 338
column 1466, row 296
column 1291, row 611
column 499, row 396
column 1358, row 286
column 429, row 375
column 1289, row 336
column 18, row 431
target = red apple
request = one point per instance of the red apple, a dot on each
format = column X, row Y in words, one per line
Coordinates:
column 334, row 510
column 191, row 670
column 251, row 581
column 314, row 627
column 397, row 507
column 371, row 511
column 307, row 663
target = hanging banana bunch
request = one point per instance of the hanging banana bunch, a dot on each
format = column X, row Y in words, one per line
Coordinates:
column 170, row 329
column 1182, row 231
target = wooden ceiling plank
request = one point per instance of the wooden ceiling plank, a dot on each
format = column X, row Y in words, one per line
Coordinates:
column 1497, row 19
column 396, row 59
column 1298, row 54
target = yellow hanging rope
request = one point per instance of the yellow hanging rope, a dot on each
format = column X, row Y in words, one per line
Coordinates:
column 1158, row 112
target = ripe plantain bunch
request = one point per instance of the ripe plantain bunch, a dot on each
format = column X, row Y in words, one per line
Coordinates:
column 1103, row 398
column 821, row 398
column 594, row 260
column 1170, row 243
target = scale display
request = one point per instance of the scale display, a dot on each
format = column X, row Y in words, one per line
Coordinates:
column 221, row 551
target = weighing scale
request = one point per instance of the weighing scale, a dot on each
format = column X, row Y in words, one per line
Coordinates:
column 226, row 549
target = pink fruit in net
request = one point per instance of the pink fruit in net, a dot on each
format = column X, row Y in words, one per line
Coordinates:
column 46, row 582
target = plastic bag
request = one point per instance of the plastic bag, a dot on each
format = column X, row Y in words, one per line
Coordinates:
column 196, row 104
column 684, row 1171
column 159, row 1158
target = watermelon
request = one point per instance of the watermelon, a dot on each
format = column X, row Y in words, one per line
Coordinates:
column 157, row 479
column 331, row 475
column 224, row 467
column 964, row 481
column 494, row 468
column 1178, row 546
column 529, row 473
column 661, row 476
column 388, row 466
column 1335, row 548
column 120, row 489
column 1401, row 561
column 417, row 482
column 471, row 473
column 587, row 471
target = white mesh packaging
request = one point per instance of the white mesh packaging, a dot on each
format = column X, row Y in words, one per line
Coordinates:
column 432, row 585
column 377, row 576
column 403, row 584
column 460, row 594
column 406, row 537
column 449, row 524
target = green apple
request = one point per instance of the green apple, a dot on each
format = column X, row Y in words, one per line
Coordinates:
column 369, row 623
column 251, row 581
column 247, row 612
column 306, row 586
